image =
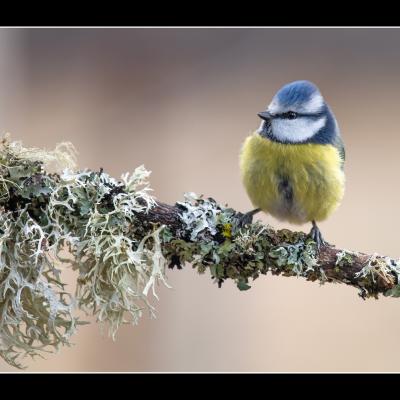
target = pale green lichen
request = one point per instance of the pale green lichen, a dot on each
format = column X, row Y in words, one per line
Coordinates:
column 213, row 239
column 36, row 312
column 116, row 265
column 378, row 266
column 300, row 257
column 63, row 156
column 323, row 278
column 91, row 215
column 394, row 265
column 200, row 217
column 344, row 257
column 247, row 240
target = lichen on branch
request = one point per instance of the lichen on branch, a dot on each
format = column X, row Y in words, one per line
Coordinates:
column 93, row 216
column 120, row 241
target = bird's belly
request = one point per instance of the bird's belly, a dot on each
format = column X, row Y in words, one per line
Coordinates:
column 297, row 183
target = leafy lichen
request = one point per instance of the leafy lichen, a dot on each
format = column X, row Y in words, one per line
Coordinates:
column 299, row 258
column 213, row 239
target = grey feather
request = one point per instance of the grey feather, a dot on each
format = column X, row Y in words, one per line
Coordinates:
column 338, row 143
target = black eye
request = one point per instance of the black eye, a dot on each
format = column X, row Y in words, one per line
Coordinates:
column 291, row 115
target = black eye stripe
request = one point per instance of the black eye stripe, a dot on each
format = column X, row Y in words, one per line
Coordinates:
column 287, row 115
column 298, row 115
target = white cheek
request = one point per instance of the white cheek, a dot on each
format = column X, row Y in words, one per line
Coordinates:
column 296, row 130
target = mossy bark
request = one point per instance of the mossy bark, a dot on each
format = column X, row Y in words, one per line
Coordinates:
column 331, row 264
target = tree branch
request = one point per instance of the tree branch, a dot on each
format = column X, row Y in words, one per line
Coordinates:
column 370, row 274
column 120, row 240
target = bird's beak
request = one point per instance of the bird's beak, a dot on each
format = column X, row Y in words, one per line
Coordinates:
column 265, row 115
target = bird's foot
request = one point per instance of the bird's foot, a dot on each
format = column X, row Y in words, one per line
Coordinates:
column 315, row 234
column 247, row 218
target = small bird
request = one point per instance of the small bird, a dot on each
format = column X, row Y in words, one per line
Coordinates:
column 292, row 165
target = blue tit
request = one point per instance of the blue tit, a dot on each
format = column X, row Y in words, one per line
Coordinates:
column 292, row 165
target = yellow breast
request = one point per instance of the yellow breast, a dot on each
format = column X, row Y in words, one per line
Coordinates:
column 293, row 182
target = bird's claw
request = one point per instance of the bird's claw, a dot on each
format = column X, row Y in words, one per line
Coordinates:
column 244, row 219
column 316, row 236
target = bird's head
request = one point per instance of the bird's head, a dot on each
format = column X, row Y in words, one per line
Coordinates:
column 297, row 114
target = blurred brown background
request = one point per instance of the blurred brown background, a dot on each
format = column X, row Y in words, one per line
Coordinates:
column 181, row 101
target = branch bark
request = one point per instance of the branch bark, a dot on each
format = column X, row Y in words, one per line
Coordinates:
column 370, row 274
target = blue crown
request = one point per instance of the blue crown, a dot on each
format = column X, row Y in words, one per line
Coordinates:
column 296, row 93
